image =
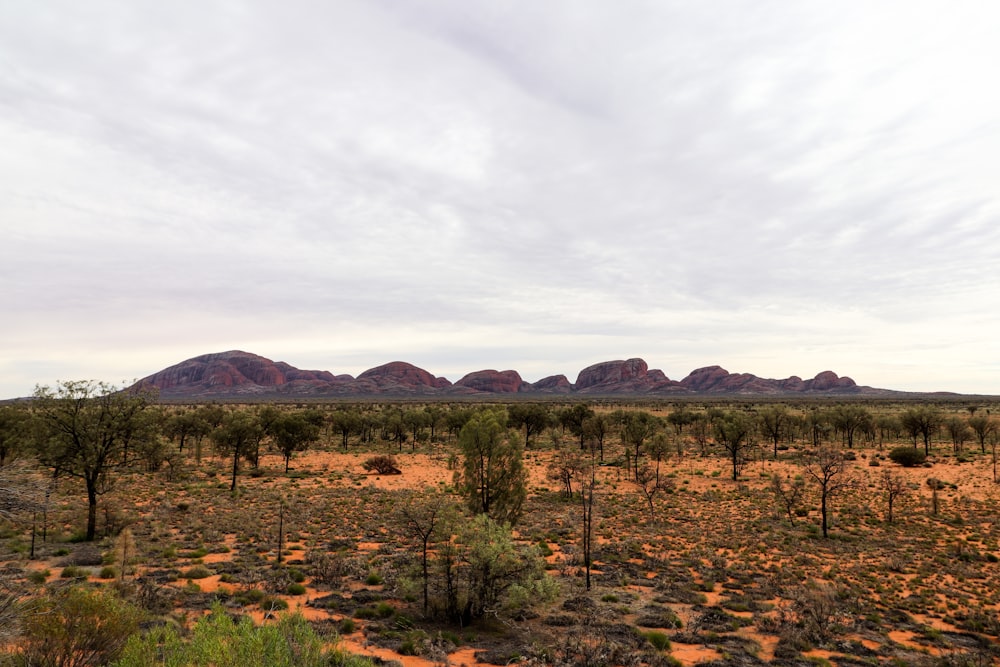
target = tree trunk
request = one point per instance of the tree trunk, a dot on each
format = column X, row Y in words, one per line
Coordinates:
column 91, row 509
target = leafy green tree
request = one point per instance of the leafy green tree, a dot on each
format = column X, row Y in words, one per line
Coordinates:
column 636, row 428
column 775, row 425
column 183, row 425
column 345, row 423
column 983, row 427
column 15, row 425
column 923, row 421
column 959, row 432
column 596, row 429
column 735, row 432
column 573, row 418
column 850, row 420
column 680, row 418
column 484, row 572
column 236, row 437
column 492, row 477
column 532, row 417
column 85, row 429
column 292, row 432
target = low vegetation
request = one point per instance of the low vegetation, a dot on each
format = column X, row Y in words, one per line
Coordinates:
column 583, row 534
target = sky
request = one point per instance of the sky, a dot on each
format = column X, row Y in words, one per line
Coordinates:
column 776, row 187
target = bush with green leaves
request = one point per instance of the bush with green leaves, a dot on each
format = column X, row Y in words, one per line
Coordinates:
column 77, row 627
column 908, row 457
column 218, row 640
column 484, row 570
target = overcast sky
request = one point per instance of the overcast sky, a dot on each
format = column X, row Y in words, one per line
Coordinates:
column 780, row 188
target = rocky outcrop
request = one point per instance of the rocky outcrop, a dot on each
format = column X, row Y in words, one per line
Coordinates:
column 717, row 380
column 553, row 384
column 231, row 372
column 401, row 376
column 496, row 382
column 610, row 372
column 240, row 374
column 828, row 381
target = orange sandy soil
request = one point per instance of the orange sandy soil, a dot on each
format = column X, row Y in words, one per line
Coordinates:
column 714, row 551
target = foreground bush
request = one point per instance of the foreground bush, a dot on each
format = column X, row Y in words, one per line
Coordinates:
column 77, row 627
column 218, row 640
column 908, row 457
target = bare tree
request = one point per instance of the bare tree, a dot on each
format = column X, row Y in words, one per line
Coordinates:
column 774, row 424
column 894, row 487
column 587, row 495
column 422, row 519
column 828, row 468
column 789, row 496
column 649, row 483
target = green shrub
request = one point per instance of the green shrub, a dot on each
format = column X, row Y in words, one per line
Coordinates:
column 658, row 639
column 218, row 641
column 108, row 572
column 295, row 589
column 75, row 622
column 347, row 626
column 908, row 457
column 74, row 572
column 197, row 572
column 273, row 604
column 41, row 576
column 374, row 579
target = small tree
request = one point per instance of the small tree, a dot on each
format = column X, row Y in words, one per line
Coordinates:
column 828, row 468
column 649, row 483
column 236, row 437
column 982, row 427
column 922, row 421
column 587, row 496
column 492, row 478
column 85, row 430
column 292, row 432
column 532, row 417
column 894, row 487
column 789, row 496
column 423, row 518
column 566, row 466
column 383, row 464
column 734, row 431
column 774, row 424
column 483, row 568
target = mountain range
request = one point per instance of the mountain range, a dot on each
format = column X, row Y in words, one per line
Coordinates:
column 237, row 374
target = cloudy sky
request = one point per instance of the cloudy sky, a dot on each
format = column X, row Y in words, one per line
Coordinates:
column 777, row 187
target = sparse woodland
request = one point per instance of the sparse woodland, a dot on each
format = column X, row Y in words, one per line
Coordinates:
column 602, row 533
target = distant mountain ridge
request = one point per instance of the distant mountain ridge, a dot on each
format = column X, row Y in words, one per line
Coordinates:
column 236, row 374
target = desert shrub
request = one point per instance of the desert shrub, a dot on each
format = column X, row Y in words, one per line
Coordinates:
column 197, row 572
column 219, row 641
column 296, row 589
column 39, row 576
column 74, row 572
column 658, row 639
column 77, row 627
column 382, row 464
column 108, row 572
column 908, row 457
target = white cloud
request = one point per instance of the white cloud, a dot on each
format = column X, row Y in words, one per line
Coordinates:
column 777, row 189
